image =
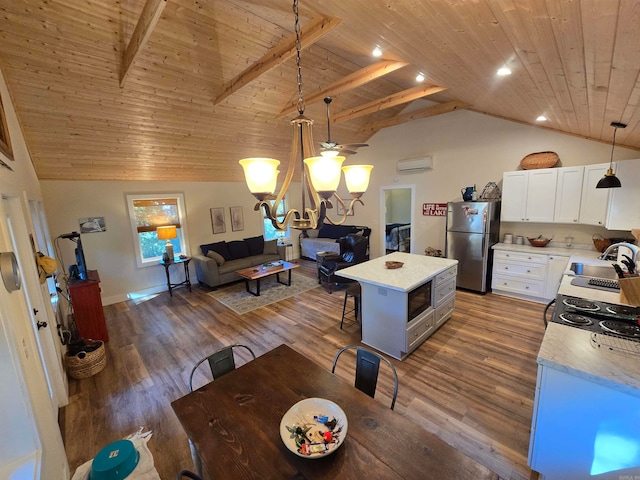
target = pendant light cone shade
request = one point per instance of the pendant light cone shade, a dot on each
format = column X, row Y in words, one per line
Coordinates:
column 357, row 178
column 610, row 180
column 261, row 175
column 325, row 174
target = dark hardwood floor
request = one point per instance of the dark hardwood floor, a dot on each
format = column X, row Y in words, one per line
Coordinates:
column 472, row 383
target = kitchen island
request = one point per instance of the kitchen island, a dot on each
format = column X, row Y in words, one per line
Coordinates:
column 586, row 415
column 402, row 307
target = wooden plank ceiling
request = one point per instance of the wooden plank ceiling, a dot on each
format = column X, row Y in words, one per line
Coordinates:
column 183, row 89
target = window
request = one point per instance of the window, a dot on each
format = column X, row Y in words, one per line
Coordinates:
column 270, row 231
column 148, row 212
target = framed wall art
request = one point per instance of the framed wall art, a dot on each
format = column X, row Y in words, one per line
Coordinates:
column 237, row 219
column 217, row 220
column 340, row 210
column 92, row 225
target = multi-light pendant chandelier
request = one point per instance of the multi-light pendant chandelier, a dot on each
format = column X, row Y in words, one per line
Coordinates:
column 320, row 175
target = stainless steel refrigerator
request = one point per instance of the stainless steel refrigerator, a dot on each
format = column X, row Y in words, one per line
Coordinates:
column 472, row 229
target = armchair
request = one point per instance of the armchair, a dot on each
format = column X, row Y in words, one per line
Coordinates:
column 354, row 249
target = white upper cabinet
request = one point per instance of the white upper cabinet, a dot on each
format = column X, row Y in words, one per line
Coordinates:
column 529, row 195
column 624, row 204
column 594, row 201
column 568, row 195
column 514, row 196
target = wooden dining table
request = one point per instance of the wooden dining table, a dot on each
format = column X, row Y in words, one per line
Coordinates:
column 234, row 423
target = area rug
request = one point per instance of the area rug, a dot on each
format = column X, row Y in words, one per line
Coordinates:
column 237, row 298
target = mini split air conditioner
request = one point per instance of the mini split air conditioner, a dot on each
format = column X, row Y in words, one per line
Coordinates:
column 415, row 165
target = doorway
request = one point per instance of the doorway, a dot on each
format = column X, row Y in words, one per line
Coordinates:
column 396, row 217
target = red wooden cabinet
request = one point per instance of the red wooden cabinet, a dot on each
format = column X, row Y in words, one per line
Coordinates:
column 87, row 307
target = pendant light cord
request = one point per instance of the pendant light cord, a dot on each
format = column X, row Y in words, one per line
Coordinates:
column 298, row 63
column 613, row 146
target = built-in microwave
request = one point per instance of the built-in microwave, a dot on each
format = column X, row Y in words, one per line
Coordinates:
column 418, row 300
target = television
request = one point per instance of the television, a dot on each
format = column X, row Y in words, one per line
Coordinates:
column 79, row 269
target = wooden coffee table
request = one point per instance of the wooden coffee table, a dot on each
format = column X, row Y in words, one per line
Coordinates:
column 261, row 271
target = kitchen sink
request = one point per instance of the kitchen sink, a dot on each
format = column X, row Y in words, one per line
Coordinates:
column 594, row 271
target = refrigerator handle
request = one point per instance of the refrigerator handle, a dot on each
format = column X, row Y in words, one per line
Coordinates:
column 484, row 240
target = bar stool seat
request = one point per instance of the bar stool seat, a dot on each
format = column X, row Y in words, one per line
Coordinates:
column 353, row 290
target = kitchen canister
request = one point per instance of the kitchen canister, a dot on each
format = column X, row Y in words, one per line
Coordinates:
column 508, row 238
column 519, row 240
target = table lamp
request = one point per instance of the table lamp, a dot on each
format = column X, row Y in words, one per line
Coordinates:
column 167, row 233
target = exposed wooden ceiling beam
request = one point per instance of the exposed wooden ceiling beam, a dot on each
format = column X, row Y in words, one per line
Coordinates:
column 284, row 50
column 388, row 102
column 422, row 113
column 148, row 18
column 353, row 80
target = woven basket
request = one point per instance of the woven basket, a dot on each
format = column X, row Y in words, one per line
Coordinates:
column 539, row 160
column 92, row 363
column 600, row 243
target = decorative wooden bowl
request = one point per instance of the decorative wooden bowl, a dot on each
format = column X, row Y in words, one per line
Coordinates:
column 539, row 242
column 391, row 264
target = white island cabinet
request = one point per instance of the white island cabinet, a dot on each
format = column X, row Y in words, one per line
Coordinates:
column 423, row 284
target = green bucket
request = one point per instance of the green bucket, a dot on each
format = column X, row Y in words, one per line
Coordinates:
column 115, row 461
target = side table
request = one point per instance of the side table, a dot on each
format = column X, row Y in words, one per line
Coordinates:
column 186, row 282
column 288, row 248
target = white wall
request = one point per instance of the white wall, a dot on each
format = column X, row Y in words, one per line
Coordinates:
column 34, row 428
column 468, row 148
column 112, row 253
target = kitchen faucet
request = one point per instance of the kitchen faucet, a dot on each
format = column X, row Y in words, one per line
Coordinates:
column 635, row 250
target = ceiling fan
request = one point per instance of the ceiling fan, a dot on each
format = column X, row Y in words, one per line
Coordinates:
column 334, row 148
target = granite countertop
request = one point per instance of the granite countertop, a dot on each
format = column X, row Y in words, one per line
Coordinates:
column 415, row 271
column 568, row 349
column 550, row 249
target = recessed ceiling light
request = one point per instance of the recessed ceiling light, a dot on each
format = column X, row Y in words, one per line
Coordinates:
column 504, row 71
column 541, row 118
column 420, row 78
column 377, row 52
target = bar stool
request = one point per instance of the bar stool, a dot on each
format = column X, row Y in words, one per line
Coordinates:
column 353, row 290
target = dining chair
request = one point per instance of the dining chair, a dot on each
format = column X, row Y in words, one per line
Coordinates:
column 367, row 369
column 188, row 474
column 220, row 362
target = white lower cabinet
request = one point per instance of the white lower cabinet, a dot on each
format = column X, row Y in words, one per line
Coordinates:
column 569, row 442
column 384, row 315
column 529, row 276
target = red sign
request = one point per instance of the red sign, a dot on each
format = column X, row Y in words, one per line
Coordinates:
column 434, row 209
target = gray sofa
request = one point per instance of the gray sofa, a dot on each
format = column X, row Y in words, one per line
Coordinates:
column 217, row 263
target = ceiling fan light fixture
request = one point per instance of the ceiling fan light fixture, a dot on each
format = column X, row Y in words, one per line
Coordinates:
column 610, row 180
column 377, row 51
column 420, row 77
column 541, row 118
column 504, row 71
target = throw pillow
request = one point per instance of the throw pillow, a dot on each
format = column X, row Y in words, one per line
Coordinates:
column 270, row 247
column 238, row 249
column 219, row 259
column 255, row 244
column 219, row 247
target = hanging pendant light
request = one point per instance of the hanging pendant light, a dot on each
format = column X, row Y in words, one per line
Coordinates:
column 610, row 180
column 320, row 176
